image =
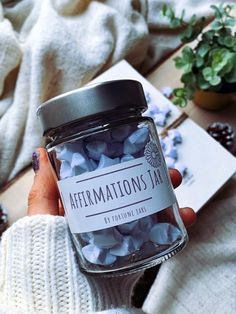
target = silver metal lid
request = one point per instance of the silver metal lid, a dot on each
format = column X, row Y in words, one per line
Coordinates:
column 90, row 101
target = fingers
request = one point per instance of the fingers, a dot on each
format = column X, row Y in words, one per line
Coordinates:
column 61, row 209
column 176, row 177
column 188, row 216
column 43, row 197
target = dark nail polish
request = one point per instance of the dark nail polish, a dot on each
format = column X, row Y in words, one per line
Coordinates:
column 35, row 161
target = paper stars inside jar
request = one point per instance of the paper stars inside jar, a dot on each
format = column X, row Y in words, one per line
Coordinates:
column 158, row 112
column 170, row 142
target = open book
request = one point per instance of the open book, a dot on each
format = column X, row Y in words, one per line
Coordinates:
column 209, row 165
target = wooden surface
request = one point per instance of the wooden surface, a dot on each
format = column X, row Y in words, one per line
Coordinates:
column 14, row 198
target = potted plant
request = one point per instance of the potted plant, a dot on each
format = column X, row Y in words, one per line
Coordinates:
column 209, row 69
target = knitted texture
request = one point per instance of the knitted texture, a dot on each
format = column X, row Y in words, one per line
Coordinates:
column 39, row 273
column 115, row 291
column 122, row 311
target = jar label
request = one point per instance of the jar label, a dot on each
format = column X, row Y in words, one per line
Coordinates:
column 117, row 194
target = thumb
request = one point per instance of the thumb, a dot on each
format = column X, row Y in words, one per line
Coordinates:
column 43, row 197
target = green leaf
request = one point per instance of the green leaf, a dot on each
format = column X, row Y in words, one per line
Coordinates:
column 188, row 78
column 193, row 30
column 188, row 53
column 181, row 102
column 179, row 92
column 230, row 23
column 186, row 35
column 221, row 40
column 221, row 9
column 234, row 45
column 215, row 80
column 208, row 73
column 179, row 98
column 225, row 32
column 164, row 8
column 210, row 76
column 220, row 57
column 228, row 8
column 202, row 83
column 199, row 61
column 182, row 15
column 217, row 12
column 229, row 41
column 208, row 36
column 231, row 76
column 168, row 11
column 175, row 23
column 189, row 91
column 231, row 62
column 216, row 24
column 185, row 62
column 193, row 19
column 203, row 49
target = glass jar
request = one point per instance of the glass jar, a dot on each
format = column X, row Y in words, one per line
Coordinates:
column 112, row 177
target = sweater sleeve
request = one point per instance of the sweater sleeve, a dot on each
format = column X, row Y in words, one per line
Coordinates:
column 39, row 273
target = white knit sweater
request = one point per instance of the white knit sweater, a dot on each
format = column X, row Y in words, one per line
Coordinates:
column 39, row 273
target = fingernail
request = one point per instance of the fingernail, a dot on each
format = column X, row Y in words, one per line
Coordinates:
column 35, row 161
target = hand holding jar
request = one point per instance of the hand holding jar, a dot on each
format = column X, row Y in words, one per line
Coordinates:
column 112, row 178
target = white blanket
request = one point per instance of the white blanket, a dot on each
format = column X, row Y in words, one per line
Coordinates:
column 48, row 47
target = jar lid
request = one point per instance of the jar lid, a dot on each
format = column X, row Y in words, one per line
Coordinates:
column 90, row 101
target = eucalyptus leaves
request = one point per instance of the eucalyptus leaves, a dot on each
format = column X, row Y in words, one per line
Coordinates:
column 211, row 65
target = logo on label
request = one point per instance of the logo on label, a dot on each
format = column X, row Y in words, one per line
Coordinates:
column 152, row 154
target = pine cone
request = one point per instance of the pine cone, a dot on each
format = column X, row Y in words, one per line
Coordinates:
column 222, row 133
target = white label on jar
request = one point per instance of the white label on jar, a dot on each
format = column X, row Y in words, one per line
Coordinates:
column 117, row 194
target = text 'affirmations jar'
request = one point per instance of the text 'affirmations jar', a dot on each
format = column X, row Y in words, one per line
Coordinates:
column 112, row 178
